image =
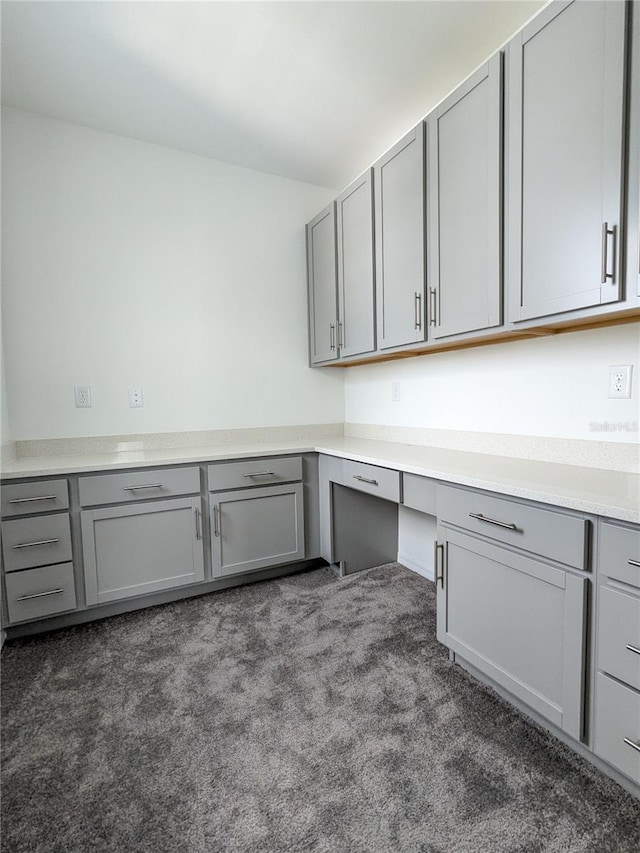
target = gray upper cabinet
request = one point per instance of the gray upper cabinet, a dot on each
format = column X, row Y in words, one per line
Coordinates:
column 633, row 196
column 465, row 198
column 356, row 290
column 565, row 164
column 400, row 244
column 323, row 295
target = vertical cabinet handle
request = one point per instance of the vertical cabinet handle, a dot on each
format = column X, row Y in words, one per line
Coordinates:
column 438, row 564
column 341, row 334
column 332, row 335
column 216, row 521
column 432, row 306
column 198, row 530
column 417, row 308
column 606, row 233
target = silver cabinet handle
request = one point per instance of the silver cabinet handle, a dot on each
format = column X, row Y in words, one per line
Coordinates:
column 260, row 474
column 635, row 563
column 341, row 334
column 29, row 500
column 365, row 480
column 606, row 233
column 631, row 743
column 417, row 308
column 432, row 301
column 216, row 521
column 33, row 544
column 39, row 594
column 137, row 488
column 633, row 649
column 437, row 548
column 482, row 517
column 332, row 335
column 198, row 531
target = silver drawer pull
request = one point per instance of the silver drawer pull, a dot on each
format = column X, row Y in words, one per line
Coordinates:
column 482, row 517
column 216, row 521
column 148, row 486
column 633, row 649
column 631, row 743
column 40, row 594
column 635, row 563
column 33, row 544
column 365, row 480
column 260, row 474
column 30, row 500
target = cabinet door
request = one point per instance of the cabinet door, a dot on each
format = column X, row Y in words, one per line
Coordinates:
column 465, row 192
column 356, row 292
column 256, row 528
column 633, row 197
column 400, row 243
column 519, row 621
column 323, row 308
column 136, row 549
column 566, row 108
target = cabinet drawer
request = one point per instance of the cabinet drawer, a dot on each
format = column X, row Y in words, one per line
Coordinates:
column 620, row 553
column 549, row 533
column 254, row 472
column 38, row 541
column 37, row 593
column 383, row 482
column 617, row 726
column 420, row 493
column 619, row 635
column 134, row 486
column 40, row 496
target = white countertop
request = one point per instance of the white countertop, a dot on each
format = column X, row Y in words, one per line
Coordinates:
column 614, row 494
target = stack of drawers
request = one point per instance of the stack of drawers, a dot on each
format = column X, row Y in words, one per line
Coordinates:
column 617, row 708
column 36, row 546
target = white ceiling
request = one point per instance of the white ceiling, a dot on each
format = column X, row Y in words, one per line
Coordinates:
column 313, row 91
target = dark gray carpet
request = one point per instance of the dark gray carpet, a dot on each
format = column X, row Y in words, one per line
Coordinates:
column 302, row 714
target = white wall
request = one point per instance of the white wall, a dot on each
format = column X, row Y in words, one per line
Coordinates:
column 555, row 386
column 127, row 263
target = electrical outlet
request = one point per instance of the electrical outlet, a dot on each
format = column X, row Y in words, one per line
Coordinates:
column 620, row 381
column 395, row 392
column 83, row 396
column 135, row 398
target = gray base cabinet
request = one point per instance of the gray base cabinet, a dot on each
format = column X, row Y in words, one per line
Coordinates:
column 617, row 684
column 519, row 621
column 134, row 549
column 256, row 527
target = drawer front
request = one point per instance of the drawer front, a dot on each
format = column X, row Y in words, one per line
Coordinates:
column 39, row 496
column 133, row 486
column 620, row 553
column 549, row 533
column 38, row 541
column 617, row 726
column 254, row 472
column 383, row 482
column 420, row 493
column 37, row 593
column 619, row 636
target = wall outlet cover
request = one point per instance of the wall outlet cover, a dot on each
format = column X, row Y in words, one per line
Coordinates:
column 620, row 381
column 83, row 396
